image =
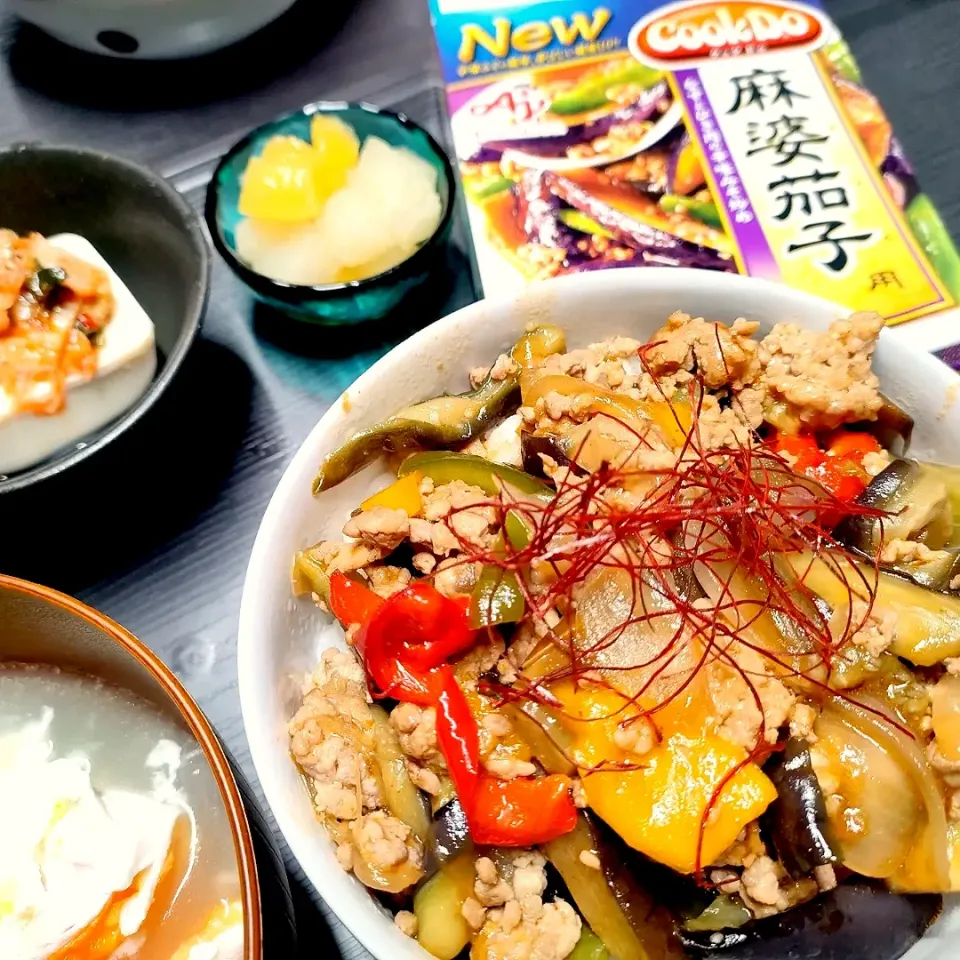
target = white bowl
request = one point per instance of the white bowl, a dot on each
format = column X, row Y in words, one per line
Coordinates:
column 281, row 638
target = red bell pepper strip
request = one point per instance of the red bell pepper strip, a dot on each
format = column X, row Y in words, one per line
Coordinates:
column 459, row 740
column 431, row 627
column 514, row 813
column 404, row 638
column 802, row 450
column 405, row 642
column 851, row 444
column 351, row 601
column 842, row 476
column 521, row 813
column 839, row 470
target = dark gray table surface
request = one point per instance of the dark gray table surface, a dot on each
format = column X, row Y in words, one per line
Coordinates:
column 172, row 571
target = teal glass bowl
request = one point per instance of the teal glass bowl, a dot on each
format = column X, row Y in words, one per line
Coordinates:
column 332, row 304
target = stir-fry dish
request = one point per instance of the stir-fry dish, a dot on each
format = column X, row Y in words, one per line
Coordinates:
column 652, row 647
column 54, row 308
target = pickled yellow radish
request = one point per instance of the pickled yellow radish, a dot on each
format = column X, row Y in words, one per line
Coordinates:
column 279, row 191
column 337, row 149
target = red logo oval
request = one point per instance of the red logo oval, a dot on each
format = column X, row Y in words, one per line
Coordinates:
column 686, row 33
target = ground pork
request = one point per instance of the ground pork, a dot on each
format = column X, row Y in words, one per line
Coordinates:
column 730, row 426
column 909, row 551
column 802, row 718
column 507, row 935
column 504, row 366
column 479, row 660
column 638, row 447
column 454, row 512
column 637, row 736
column 745, row 849
column 736, row 703
column 381, row 527
column 761, row 881
column 455, row 577
column 336, row 555
column 507, row 909
column 385, row 581
column 948, row 769
column 572, row 364
column 331, row 738
column 508, row 768
column 819, row 380
column 723, row 356
column 610, row 363
column 875, row 462
column 556, row 406
column 438, row 538
column 873, row 633
column 406, row 922
column 385, row 842
column 417, row 729
column 767, row 889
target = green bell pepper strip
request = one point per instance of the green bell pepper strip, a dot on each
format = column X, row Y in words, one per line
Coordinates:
column 703, row 210
column 724, row 913
column 310, row 574
column 497, row 597
column 444, row 466
column 933, row 236
column 440, row 421
column 593, row 93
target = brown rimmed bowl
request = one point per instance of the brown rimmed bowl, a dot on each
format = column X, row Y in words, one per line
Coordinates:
column 39, row 625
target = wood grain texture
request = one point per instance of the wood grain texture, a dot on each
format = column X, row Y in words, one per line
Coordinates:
column 197, row 478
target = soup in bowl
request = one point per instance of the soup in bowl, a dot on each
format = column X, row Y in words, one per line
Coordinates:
column 122, row 830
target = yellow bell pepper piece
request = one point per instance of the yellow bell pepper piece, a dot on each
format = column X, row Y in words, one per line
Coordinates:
column 402, row 494
column 658, row 808
column 674, row 420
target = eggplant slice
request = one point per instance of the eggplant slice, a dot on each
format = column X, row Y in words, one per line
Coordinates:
column 860, row 920
column 798, row 819
column 918, row 507
column 657, row 246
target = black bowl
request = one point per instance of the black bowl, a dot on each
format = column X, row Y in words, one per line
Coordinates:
column 143, row 228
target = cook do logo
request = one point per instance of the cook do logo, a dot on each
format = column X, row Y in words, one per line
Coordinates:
column 686, row 34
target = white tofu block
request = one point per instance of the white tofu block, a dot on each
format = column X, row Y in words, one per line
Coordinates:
column 126, row 363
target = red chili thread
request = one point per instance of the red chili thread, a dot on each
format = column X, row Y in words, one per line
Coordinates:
column 747, row 508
